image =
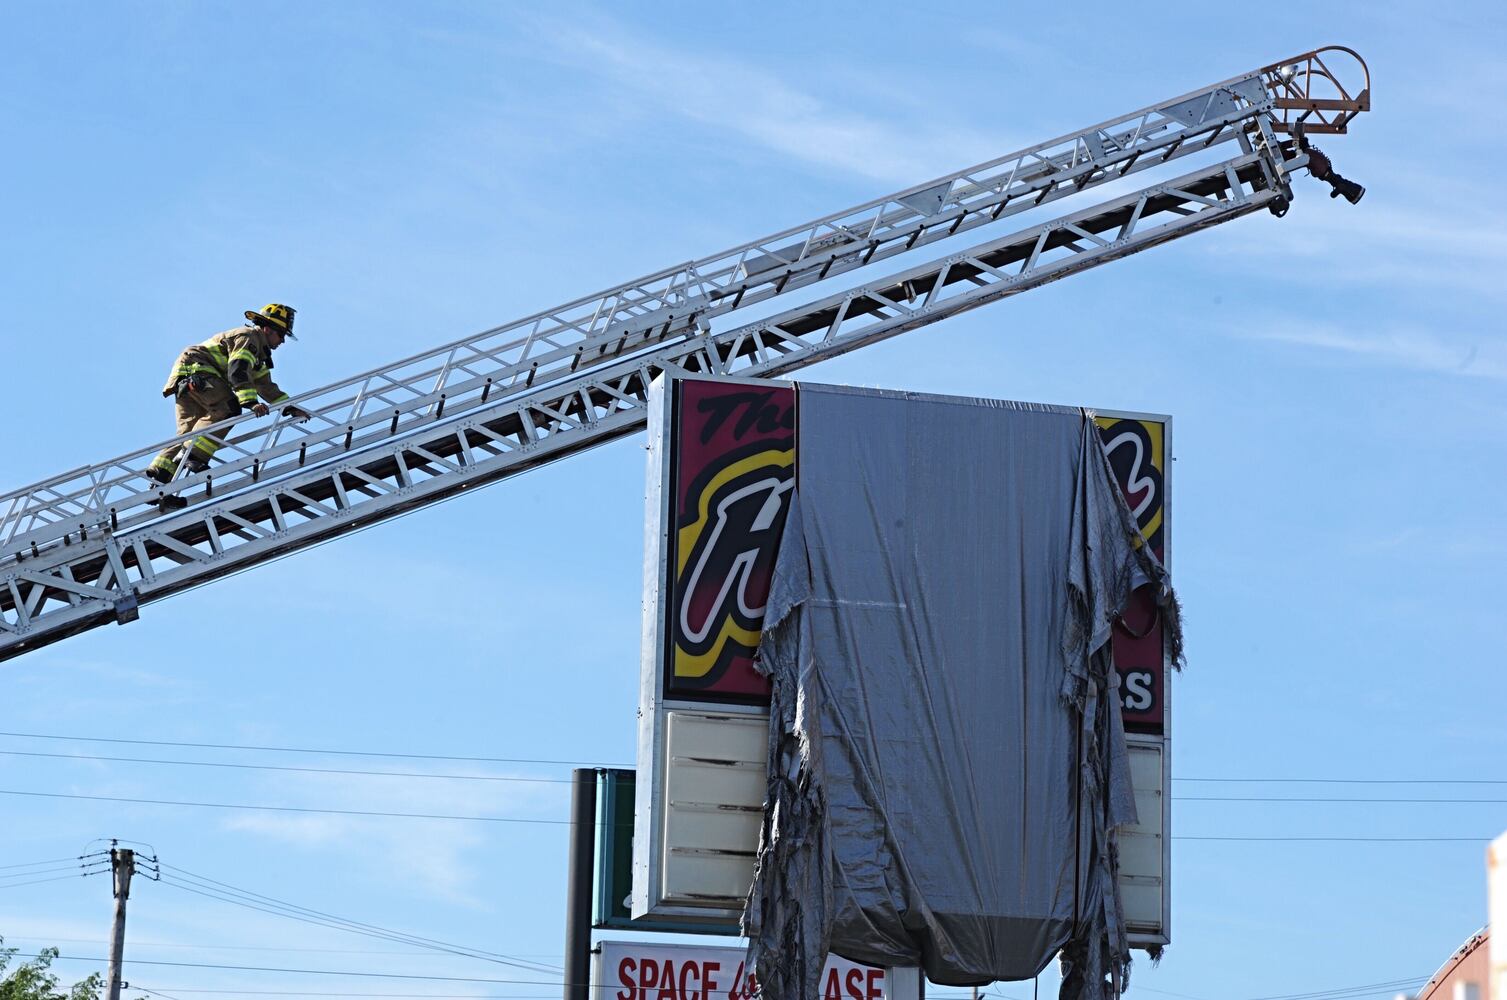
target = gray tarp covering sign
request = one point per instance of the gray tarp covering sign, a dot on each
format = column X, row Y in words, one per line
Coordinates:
column 946, row 762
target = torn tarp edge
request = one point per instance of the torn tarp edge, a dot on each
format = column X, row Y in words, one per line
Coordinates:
column 794, row 858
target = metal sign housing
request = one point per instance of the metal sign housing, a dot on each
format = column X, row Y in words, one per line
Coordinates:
column 715, row 508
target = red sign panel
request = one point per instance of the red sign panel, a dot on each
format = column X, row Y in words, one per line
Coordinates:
column 1137, row 453
column 733, row 468
column 732, row 471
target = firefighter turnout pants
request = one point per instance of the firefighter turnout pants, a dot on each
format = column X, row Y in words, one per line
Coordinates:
column 202, row 400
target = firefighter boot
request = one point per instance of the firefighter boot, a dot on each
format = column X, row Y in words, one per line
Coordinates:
column 170, row 502
column 161, row 472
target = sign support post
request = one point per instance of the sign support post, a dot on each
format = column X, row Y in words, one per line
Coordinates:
column 904, row 983
column 578, row 891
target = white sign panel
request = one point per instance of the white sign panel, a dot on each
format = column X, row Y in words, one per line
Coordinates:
column 631, row 970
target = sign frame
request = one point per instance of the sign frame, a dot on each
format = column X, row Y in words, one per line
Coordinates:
column 1161, row 742
column 657, row 705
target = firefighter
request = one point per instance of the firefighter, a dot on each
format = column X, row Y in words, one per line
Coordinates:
column 219, row 378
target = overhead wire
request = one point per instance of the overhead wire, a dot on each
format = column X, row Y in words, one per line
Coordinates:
column 1328, row 799
column 80, row 870
column 565, row 822
column 249, row 947
column 1342, row 840
column 155, row 993
column 44, row 871
column 55, row 878
column 565, row 781
column 311, row 750
column 284, row 767
column 1365, row 989
column 331, row 751
column 295, row 809
column 375, row 996
column 363, row 974
column 404, row 996
column 335, row 926
column 37, row 864
column 205, row 885
column 1336, row 993
column 1349, row 781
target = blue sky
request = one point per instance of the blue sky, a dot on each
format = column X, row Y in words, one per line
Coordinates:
column 405, row 174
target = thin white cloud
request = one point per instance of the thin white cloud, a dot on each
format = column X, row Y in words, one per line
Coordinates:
column 435, row 857
column 1483, row 356
column 1456, row 541
column 1408, row 236
column 720, row 91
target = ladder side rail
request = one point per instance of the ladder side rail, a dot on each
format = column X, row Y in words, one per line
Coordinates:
column 1049, row 172
column 782, row 343
column 50, row 507
column 738, row 257
column 267, row 460
column 1273, row 79
column 320, row 442
column 937, row 230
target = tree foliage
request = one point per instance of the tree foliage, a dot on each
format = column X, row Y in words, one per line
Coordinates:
column 35, row 980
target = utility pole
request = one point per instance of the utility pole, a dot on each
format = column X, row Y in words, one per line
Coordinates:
column 122, row 866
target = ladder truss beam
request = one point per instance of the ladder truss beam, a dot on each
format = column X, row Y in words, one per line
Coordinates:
column 601, row 328
column 476, row 433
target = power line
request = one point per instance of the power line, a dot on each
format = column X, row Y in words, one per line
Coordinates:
column 55, row 878
column 277, row 767
column 566, row 781
column 377, row 996
column 38, row 864
column 311, row 750
column 296, row 809
column 443, row 996
column 1329, row 994
column 45, row 871
column 334, row 972
column 154, row 993
column 1352, row 781
column 578, row 763
column 219, row 890
column 316, row 972
column 566, row 822
column 407, row 939
column 408, row 996
column 1371, row 801
column 210, row 894
column 1366, row 989
column 1347, row 840
column 249, row 947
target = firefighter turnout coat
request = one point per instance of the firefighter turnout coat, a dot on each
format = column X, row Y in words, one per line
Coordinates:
column 242, row 357
column 211, row 382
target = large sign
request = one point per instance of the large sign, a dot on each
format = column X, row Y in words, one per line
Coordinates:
column 1137, row 452
column 631, row 970
column 732, row 470
column 722, row 459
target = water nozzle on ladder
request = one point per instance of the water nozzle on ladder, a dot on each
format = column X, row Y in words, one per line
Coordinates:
column 1339, row 187
column 1322, row 168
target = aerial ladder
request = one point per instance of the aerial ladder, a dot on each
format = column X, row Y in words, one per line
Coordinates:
column 91, row 545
